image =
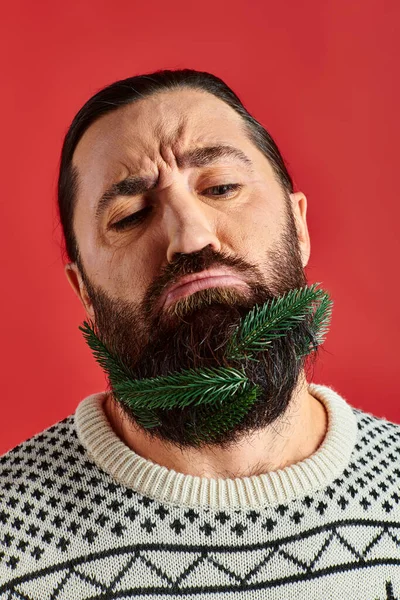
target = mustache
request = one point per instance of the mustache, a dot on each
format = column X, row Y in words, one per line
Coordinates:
column 195, row 262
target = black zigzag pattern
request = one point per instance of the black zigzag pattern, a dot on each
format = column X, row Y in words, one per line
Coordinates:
column 106, row 575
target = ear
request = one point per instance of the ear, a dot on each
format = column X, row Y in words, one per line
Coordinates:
column 76, row 282
column 299, row 206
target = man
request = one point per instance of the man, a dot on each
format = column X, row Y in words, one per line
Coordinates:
column 180, row 218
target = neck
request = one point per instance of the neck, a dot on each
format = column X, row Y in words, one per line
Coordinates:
column 292, row 438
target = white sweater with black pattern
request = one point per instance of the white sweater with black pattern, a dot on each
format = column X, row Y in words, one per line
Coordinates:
column 84, row 517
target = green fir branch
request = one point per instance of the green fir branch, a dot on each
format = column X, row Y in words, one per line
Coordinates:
column 148, row 419
column 321, row 319
column 188, row 387
column 317, row 326
column 113, row 367
column 272, row 320
column 178, row 390
column 209, row 425
column 115, row 370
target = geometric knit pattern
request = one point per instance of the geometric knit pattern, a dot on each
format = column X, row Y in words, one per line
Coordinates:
column 69, row 530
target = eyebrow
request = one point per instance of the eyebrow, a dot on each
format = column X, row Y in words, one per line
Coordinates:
column 198, row 157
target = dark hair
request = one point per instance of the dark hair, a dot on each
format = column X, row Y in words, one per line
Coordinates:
column 130, row 90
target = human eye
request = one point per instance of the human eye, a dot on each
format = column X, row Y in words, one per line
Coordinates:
column 223, row 190
column 131, row 220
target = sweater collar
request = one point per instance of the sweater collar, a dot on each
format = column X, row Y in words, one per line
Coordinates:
column 166, row 485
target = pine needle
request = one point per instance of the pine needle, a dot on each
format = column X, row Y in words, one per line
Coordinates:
column 209, row 425
column 321, row 319
column 267, row 322
column 188, row 387
column 113, row 367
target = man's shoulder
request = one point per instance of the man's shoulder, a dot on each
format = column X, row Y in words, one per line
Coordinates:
column 61, row 437
column 376, row 454
column 49, row 451
column 371, row 423
column 64, row 428
column 377, row 432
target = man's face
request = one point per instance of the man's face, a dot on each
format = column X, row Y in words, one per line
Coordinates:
column 194, row 194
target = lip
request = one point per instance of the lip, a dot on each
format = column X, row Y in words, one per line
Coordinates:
column 199, row 281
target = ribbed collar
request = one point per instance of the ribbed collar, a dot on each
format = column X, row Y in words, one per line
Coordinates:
column 166, row 485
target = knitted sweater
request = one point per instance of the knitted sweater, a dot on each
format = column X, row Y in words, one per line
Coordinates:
column 84, row 517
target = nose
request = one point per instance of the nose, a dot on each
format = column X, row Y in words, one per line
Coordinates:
column 189, row 224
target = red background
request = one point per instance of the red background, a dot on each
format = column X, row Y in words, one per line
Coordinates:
column 323, row 77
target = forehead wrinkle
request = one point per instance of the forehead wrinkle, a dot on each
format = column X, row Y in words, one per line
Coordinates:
column 170, row 138
column 170, row 141
column 170, row 134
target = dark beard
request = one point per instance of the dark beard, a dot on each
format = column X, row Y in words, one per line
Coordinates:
column 193, row 331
